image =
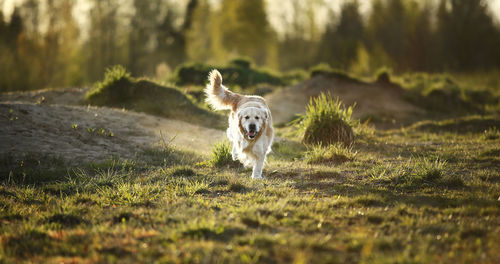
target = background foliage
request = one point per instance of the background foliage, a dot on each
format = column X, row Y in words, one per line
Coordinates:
column 46, row 44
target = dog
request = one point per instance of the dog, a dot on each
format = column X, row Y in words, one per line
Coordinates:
column 250, row 128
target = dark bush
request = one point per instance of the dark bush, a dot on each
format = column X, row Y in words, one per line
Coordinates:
column 237, row 72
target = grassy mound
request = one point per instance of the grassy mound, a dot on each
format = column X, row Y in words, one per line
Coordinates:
column 118, row 89
column 327, row 122
column 441, row 93
column 326, row 70
column 238, row 72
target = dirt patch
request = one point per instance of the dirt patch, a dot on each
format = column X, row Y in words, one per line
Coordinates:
column 382, row 103
column 63, row 96
column 86, row 134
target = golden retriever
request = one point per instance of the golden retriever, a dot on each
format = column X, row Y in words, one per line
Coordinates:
column 250, row 123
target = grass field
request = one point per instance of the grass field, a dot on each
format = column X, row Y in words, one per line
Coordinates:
column 427, row 193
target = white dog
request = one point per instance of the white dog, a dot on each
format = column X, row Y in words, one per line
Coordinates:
column 250, row 123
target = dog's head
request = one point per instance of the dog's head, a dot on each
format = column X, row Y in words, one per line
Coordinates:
column 252, row 120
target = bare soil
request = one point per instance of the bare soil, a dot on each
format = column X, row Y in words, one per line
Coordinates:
column 383, row 103
column 84, row 133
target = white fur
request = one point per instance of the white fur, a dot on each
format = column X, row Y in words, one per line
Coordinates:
column 249, row 110
column 215, row 91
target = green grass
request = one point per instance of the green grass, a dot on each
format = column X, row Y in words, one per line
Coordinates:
column 408, row 195
column 119, row 89
column 428, row 192
column 454, row 94
column 326, row 121
column 333, row 153
column 221, row 155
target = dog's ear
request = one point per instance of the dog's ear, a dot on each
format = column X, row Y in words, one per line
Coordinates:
column 240, row 116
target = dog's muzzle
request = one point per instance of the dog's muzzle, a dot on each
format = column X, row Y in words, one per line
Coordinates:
column 252, row 131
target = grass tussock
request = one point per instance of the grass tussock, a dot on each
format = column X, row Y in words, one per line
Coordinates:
column 119, row 89
column 425, row 171
column 333, row 153
column 491, row 133
column 221, row 155
column 326, row 121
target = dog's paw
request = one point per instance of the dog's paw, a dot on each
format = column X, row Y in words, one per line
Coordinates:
column 258, row 177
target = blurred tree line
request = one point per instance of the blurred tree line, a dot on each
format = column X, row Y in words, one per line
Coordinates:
column 42, row 45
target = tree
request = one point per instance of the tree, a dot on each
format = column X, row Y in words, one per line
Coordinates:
column 104, row 46
column 198, row 36
column 142, row 39
column 387, row 26
column 298, row 48
column 420, row 42
column 245, row 30
column 171, row 38
column 468, row 37
column 340, row 43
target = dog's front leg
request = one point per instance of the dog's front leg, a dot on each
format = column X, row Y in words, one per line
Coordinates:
column 234, row 154
column 257, row 169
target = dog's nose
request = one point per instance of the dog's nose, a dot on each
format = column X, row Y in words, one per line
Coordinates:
column 252, row 127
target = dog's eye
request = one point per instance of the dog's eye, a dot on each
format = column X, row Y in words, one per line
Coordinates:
column 257, row 117
column 247, row 117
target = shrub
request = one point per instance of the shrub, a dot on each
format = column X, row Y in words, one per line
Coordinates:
column 326, row 122
column 238, row 72
column 326, row 70
column 333, row 153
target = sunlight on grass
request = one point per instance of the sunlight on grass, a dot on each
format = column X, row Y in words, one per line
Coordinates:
column 333, row 153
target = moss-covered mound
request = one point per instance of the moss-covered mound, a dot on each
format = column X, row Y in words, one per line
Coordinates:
column 118, row 89
column 238, row 72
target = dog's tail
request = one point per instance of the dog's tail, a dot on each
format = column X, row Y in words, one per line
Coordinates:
column 218, row 96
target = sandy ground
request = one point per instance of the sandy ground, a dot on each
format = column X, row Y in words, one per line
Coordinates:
column 85, row 134
column 375, row 100
column 63, row 96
